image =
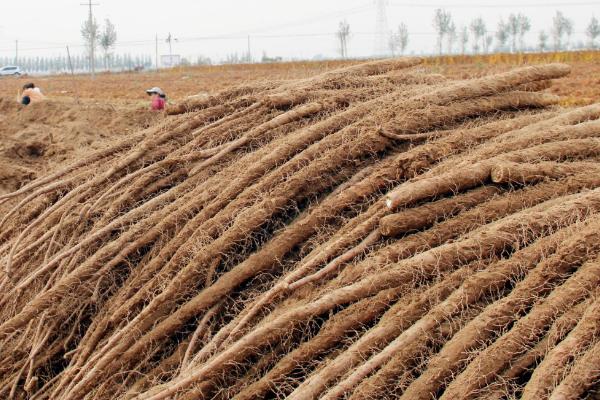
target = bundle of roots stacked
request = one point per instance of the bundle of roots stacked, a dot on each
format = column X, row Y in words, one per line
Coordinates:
column 372, row 232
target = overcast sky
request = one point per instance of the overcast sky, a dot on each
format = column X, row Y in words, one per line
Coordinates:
column 291, row 29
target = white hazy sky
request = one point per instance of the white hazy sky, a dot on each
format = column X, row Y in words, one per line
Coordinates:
column 291, row 29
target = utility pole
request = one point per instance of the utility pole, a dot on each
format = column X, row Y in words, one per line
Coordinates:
column 249, row 53
column 157, row 52
column 92, row 43
column 16, row 52
column 72, row 75
column 169, row 40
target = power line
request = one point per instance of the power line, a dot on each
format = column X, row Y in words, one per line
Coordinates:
column 381, row 23
column 501, row 5
column 307, row 20
column 228, row 37
column 254, row 32
column 170, row 40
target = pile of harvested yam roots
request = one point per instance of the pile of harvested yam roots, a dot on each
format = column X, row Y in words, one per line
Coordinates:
column 374, row 232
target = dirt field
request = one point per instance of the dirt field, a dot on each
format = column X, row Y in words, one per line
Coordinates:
column 178, row 82
column 581, row 87
column 37, row 139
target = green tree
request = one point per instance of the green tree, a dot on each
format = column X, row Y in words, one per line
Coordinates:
column 502, row 35
column 90, row 32
column 464, row 39
column 593, row 31
column 518, row 25
column 543, row 41
column 479, row 30
column 108, row 39
column 561, row 26
column 442, row 21
column 399, row 39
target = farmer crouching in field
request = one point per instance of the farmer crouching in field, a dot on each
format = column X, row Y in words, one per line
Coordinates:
column 159, row 97
column 30, row 94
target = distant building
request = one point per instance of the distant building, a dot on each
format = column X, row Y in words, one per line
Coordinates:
column 170, row 60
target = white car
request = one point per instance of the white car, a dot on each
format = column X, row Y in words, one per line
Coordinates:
column 11, row 71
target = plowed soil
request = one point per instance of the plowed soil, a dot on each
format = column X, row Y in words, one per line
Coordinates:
column 36, row 139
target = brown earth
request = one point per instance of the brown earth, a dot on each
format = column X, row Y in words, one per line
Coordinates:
column 37, row 138
column 177, row 82
column 581, row 87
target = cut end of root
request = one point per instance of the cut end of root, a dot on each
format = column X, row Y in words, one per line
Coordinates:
column 388, row 203
column 499, row 175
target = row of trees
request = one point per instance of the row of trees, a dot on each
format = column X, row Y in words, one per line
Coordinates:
column 95, row 35
column 508, row 37
column 471, row 38
column 117, row 62
column 60, row 64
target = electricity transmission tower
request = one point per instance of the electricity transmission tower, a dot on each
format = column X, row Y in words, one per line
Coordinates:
column 170, row 40
column 92, row 38
column 381, row 29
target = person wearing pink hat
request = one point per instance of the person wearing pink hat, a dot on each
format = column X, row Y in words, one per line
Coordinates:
column 158, row 101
